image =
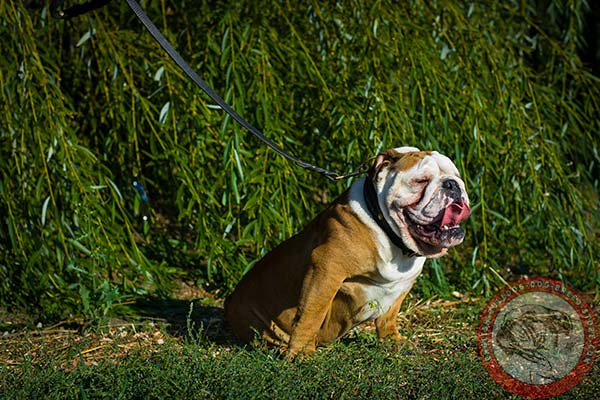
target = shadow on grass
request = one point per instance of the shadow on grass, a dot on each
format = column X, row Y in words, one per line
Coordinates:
column 188, row 319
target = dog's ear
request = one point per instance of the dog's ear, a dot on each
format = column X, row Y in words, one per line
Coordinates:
column 383, row 159
column 388, row 157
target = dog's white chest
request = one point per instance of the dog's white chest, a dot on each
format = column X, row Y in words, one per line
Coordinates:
column 393, row 280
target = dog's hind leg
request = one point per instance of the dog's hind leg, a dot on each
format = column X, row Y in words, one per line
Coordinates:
column 318, row 291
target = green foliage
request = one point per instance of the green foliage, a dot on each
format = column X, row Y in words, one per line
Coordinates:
column 92, row 105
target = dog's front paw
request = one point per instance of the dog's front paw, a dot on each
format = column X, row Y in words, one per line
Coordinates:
column 395, row 340
column 395, row 337
column 398, row 341
column 389, row 333
column 294, row 352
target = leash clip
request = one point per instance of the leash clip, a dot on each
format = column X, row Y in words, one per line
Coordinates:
column 57, row 11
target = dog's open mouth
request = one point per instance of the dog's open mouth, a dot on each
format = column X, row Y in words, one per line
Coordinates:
column 444, row 230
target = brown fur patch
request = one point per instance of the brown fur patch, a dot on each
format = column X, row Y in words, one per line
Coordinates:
column 409, row 160
column 400, row 161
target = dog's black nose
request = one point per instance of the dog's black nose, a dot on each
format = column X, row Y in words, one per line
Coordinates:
column 452, row 188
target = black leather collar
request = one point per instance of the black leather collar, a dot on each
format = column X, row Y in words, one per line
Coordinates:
column 372, row 202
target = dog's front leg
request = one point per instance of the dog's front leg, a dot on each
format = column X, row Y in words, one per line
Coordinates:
column 386, row 324
column 319, row 288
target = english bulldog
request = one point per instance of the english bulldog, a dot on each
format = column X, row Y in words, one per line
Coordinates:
column 358, row 259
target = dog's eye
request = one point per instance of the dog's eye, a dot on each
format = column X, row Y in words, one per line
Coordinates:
column 422, row 181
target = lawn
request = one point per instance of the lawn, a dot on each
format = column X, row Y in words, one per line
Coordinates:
column 185, row 351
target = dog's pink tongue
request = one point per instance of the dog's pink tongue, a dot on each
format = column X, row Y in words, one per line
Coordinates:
column 455, row 213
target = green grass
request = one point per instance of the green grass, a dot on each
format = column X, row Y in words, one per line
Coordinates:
column 89, row 106
column 128, row 360
column 193, row 372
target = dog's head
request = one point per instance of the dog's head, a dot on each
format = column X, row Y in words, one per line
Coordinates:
column 422, row 197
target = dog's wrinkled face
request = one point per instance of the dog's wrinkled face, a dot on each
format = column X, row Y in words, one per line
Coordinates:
column 422, row 197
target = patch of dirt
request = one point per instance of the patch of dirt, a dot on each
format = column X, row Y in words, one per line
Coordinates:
column 192, row 313
column 71, row 345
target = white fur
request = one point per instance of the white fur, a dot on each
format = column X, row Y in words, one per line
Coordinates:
column 406, row 149
column 396, row 272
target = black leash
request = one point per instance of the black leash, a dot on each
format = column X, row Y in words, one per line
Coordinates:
column 58, row 12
